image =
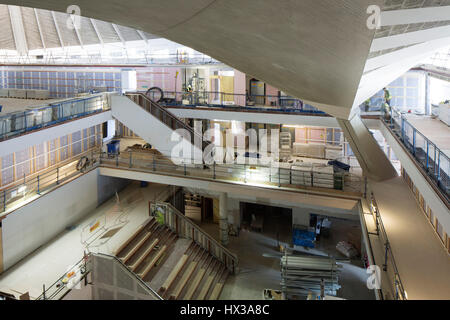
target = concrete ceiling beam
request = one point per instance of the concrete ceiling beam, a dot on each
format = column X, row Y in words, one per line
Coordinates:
column 420, row 15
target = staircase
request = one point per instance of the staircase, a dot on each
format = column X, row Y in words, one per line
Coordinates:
column 155, row 124
column 147, row 248
column 197, row 274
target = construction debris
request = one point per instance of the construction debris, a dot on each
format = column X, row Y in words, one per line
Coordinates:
column 302, row 275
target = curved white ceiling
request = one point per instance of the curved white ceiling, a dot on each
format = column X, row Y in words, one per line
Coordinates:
column 43, row 29
column 315, row 50
column 311, row 49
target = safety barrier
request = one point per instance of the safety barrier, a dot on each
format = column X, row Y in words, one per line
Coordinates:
column 79, row 272
column 185, row 228
column 164, row 116
column 234, row 102
column 278, row 176
column 389, row 265
column 435, row 162
column 20, row 194
column 17, row 123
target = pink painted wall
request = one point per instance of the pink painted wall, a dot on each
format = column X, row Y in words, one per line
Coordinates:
column 161, row 77
column 239, row 88
column 271, row 91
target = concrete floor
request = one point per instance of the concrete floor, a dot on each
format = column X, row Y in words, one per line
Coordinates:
column 259, row 262
column 422, row 260
column 434, row 129
column 48, row 263
column 12, row 105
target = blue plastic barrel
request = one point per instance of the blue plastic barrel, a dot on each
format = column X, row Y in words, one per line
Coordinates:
column 113, row 147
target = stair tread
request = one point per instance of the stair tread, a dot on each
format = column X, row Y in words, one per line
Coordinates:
column 205, row 288
column 186, row 276
column 198, row 278
column 216, row 291
column 147, row 223
column 149, row 267
column 173, row 274
column 136, row 247
column 145, row 254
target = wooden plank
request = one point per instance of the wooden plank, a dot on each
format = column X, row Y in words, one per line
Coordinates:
column 186, row 276
column 194, row 285
column 145, row 254
column 1, row 248
column 205, row 288
column 118, row 251
column 216, row 291
column 169, row 281
column 153, row 261
column 136, row 248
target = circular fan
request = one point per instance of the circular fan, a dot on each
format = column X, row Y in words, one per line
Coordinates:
column 155, row 94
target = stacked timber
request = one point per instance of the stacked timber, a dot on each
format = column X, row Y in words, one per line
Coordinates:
column 301, row 276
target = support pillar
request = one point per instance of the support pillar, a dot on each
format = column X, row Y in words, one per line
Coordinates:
column 223, row 222
column 371, row 157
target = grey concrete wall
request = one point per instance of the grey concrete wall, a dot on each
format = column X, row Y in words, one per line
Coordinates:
column 300, row 216
column 38, row 222
column 108, row 186
column 234, row 212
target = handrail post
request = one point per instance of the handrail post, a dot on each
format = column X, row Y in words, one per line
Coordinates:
column 403, row 129
column 377, row 222
column 57, row 175
column 279, row 176
column 4, row 200
column 386, row 245
column 130, row 159
column 290, row 175
column 38, row 191
column 434, row 166
column 214, row 169
column 439, row 167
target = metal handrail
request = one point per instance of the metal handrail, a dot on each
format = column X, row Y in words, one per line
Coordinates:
column 124, row 266
column 433, row 168
column 57, row 284
column 388, row 250
column 261, row 174
column 46, row 180
column 164, row 116
column 175, row 211
column 205, row 98
column 17, row 123
column 60, row 286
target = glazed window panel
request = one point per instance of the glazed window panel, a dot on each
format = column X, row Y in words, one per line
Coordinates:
column 7, row 169
column 64, row 148
column 53, row 152
column 41, row 156
column 85, row 139
column 22, row 164
column 440, row 230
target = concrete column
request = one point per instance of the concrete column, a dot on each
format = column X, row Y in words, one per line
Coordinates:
column 223, row 222
column 370, row 156
column 300, row 217
column 234, row 212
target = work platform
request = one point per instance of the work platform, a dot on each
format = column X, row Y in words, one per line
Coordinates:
column 434, row 129
column 422, row 261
